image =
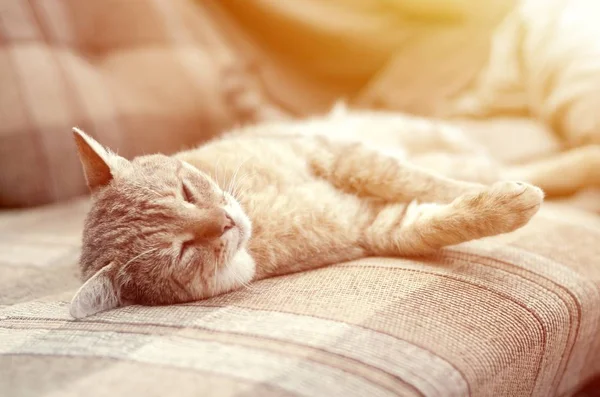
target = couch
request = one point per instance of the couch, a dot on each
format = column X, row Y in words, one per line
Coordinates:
column 512, row 315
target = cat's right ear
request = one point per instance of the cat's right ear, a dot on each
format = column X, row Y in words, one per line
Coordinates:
column 95, row 159
column 96, row 295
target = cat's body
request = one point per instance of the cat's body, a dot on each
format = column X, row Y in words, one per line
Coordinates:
column 322, row 224
column 268, row 170
column 281, row 198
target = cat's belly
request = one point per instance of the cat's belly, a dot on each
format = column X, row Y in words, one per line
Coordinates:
column 304, row 226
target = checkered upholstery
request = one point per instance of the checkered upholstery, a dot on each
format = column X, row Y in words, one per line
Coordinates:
column 139, row 75
column 515, row 315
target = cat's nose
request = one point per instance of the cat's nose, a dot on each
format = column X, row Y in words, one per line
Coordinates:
column 211, row 224
column 229, row 223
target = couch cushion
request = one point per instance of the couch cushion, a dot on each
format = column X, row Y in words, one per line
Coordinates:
column 512, row 315
column 140, row 76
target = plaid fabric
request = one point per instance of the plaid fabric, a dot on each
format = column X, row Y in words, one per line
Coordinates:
column 515, row 315
column 139, row 75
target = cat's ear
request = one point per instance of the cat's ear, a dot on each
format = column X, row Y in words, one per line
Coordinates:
column 96, row 295
column 95, row 159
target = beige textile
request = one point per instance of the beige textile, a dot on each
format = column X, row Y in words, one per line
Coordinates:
column 515, row 315
column 409, row 55
column 545, row 61
column 141, row 76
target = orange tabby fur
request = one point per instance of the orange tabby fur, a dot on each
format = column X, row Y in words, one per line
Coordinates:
column 279, row 198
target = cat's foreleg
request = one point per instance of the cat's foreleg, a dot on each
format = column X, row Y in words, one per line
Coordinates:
column 359, row 169
column 420, row 229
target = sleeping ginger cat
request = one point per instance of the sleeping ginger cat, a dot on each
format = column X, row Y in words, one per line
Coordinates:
column 280, row 198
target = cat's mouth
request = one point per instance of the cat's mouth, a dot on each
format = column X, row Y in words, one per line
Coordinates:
column 238, row 236
column 235, row 240
column 234, row 236
column 241, row 231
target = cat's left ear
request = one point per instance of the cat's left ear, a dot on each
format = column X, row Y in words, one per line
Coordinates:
column 98, row 163
column 96, row 295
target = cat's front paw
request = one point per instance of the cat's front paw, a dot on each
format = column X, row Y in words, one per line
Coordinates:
column 501, row 208
column 512, row 204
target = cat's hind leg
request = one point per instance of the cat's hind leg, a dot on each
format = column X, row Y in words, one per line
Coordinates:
column 419, row 229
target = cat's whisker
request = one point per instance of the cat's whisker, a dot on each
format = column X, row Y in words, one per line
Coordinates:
column 238, row 192
column 215, row 277
column 247, row 286
column 216, row 172
column 138, row 256
column 233, row 178
column 217, row 178
column 238, row 183
column 244, row 284
column 231, row 181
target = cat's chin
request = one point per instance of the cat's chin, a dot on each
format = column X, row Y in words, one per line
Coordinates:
column 238, row 272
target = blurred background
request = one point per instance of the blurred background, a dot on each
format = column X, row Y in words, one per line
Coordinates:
column 144, row 76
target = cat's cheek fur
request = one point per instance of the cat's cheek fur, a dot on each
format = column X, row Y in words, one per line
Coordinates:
column 238, row 272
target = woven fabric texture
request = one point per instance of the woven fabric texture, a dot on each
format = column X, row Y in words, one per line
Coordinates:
column 515, row 315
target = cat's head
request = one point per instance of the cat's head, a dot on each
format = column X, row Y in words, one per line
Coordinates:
column 159, row 232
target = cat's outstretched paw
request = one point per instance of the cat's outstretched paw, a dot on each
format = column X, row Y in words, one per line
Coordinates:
column 492, row 210
column 509, row 205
